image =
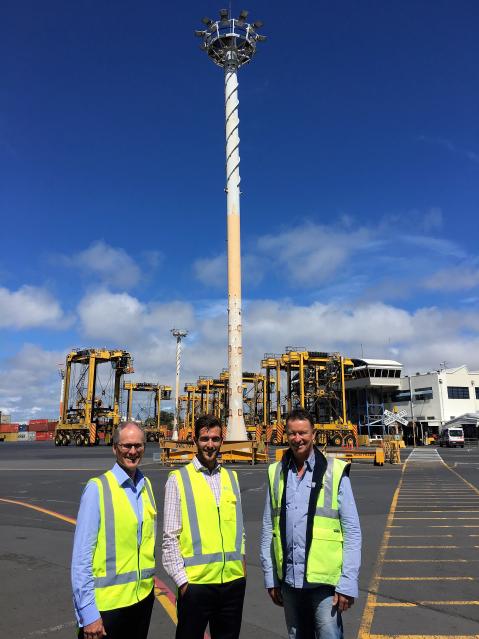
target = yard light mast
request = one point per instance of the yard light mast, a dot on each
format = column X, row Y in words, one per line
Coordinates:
column 178, row 334
column 231, row 43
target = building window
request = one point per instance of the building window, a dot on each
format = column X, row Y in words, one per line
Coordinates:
column 401, row 396
column 458, row 392
column 423, row 393
column 430, row 417
column 477, row 392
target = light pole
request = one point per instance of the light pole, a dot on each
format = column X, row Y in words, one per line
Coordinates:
column 61, row 372
column 178, row 334
column 411, row 408
column 231, row 43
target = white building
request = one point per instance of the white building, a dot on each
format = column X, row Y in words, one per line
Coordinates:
column 430, row 399
column 438, row 396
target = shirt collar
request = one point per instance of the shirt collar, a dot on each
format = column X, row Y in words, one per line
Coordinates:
column 200, row 468
column 309, row 462
column 123, row 477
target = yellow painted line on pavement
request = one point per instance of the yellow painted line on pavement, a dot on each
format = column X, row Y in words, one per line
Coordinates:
column 410, row 604
column 430, row 546
column 422, row 536
column 369, row 608
column 52, row 513
column 427, row 578
column 421, row 510
column 163, row 594
column 430, row 561
column 471, row 486
column 449, row 526
column 429, row 518
column 423, row 636
column 166, row 595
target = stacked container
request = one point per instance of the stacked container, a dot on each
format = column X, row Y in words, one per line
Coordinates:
column 10, row 431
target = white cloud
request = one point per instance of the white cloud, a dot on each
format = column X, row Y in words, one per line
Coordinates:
column 312, row 253
column 213, row 271
column 122, row 317
column 421, row 339
column 318, row 256
column 30, row 384
column 455, row 278
column 112, row 266
column 29, row 307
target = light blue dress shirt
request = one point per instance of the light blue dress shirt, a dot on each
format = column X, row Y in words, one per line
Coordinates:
column 297, row 499
column 86, row 534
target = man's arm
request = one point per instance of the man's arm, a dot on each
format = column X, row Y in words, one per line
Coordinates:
column 268, row 563
column 347, row 587
column 84, row 544
column 172, row 525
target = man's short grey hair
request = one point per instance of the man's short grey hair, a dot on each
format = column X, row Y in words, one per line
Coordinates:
column 121, row 426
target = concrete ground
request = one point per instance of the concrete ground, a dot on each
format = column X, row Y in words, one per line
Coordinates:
column 420, row 527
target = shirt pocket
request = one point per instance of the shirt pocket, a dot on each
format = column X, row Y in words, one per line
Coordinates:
column 149, row 521
column 229, row 507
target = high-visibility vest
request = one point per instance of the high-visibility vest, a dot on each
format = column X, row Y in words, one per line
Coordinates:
column 123, row 570
column 324, row 558
column 211, row 538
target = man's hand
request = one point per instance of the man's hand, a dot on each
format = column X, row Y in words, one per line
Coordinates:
column 95, row 630
column 183, row 588
column 343, row 602
column 276, row 596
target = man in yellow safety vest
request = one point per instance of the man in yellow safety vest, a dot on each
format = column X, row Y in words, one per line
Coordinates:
column 311, row 538
column 203, row 540
column 113, row 561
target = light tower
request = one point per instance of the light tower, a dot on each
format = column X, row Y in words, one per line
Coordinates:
column 61, row 372
column 231, row 43
column 179, row 334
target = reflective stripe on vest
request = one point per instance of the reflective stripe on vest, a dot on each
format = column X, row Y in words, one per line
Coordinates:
column 139, row 582
column 230, row 559
column 324, row 561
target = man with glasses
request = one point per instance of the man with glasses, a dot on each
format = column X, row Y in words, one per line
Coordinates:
column 203, row 540
column 113, row 561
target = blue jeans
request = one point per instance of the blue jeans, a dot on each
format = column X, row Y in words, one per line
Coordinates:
column 310, row 614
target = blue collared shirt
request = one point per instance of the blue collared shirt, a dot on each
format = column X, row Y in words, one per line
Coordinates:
column 297, row 499
column 86, row 534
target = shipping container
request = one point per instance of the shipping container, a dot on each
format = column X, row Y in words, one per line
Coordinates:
column 22, row 436
column 51, row 426
column 22, row 428
column 11, row 437
column 31, row 436
column 8, row 428
column 42, row 436
column 38, row 421
column 38, row 428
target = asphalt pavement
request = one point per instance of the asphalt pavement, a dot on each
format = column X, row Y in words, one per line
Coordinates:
column 420, row 524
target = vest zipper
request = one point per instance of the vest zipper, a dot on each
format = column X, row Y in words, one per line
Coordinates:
column 222, row 544
column 138, row 547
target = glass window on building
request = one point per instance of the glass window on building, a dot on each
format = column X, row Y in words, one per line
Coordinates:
column 458, row 392
column 423, row 393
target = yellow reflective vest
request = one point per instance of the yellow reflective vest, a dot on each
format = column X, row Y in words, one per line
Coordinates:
column 123, row 570
column 211, row 539
column 324, row 556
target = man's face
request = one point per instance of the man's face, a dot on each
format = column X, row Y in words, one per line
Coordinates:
column 129, row 450
column 300, row 435
column 208, row 444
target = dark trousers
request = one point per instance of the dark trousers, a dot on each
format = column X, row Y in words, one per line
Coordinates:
column 220, row 605
column 127, row 623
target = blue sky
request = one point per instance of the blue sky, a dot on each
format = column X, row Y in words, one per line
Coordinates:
column 359, row 164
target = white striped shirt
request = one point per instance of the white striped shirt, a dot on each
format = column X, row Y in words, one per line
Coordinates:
column 172, row 522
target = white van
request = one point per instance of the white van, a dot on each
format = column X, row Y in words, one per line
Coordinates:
column 452, row 437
